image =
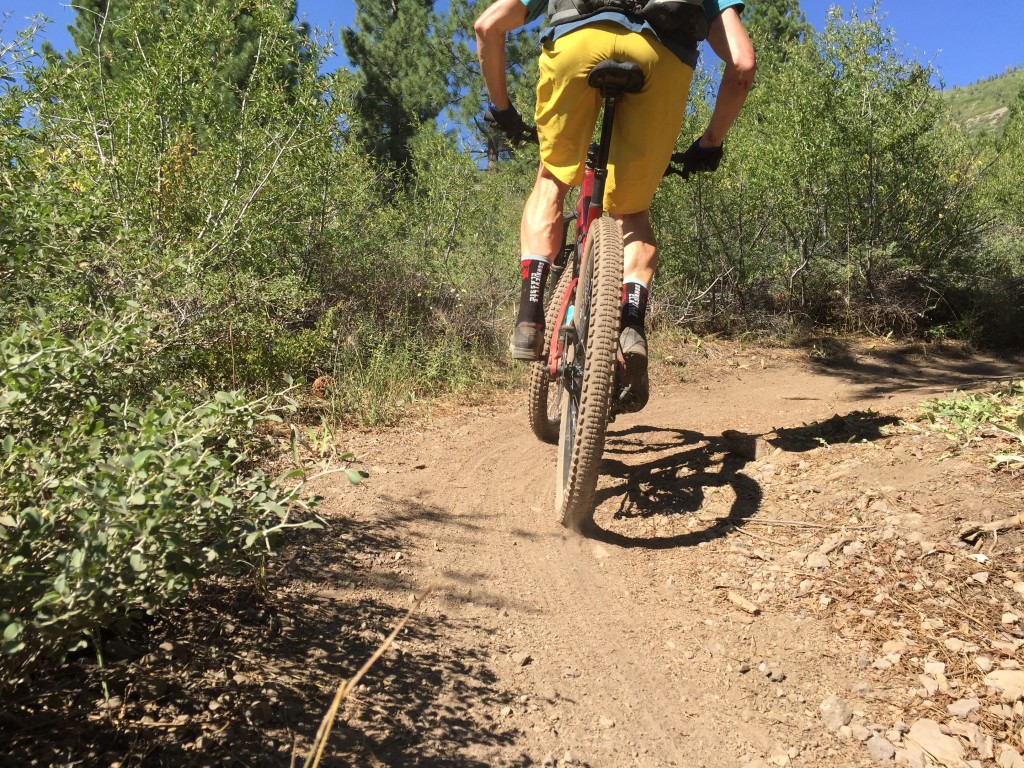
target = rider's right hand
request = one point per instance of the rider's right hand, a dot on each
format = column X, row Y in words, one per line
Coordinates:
column 698, row 159
column 511, row 123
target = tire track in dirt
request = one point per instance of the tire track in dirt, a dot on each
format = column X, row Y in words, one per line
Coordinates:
column 621, row 650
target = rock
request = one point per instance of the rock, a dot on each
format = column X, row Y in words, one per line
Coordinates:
column 259, row 712
column 880, row 749
column 835, row 713
column 777, row 676
column 112, row 704
column 1009, row 683
column 980, row 577
column 928, row 736
column 862, row 688
column 506, row 711
column 894, row 646
column 853, row 548
column 912, row 757
column 746, row 446
column 1010, row 618
column 1001, row 710
column 963, row 708
column 930, row 684
column 569, row 758
column 764, row 669
column 606, row 722
column 521, row 659
column 934, row 668
column 817, row 560
column 984, row 663
column 1010, row 758
column 1010, row 649
column 954, row 644
column 860, row 732
column 983, row 743
column 548, row 761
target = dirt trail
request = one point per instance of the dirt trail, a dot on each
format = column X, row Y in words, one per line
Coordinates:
column 723, row 605
column 624, row 649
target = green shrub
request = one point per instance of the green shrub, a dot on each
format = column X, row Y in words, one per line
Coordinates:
column 845, row 197
column 115, row 498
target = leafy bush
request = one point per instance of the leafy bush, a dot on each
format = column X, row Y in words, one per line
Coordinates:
column 967, row 417
column 845, row 200
column 116, row 498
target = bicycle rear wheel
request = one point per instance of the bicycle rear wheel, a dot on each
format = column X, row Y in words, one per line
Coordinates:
column 545, row 392
column 589, row 375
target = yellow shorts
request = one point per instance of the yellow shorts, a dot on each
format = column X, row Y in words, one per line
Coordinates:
column 646, row 123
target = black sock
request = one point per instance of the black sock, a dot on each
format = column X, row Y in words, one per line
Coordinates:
column 531, row 298
column 634, row 304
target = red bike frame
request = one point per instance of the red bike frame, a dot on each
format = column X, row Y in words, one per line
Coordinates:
column 587, row 210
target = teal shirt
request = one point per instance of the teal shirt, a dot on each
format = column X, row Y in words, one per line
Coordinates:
column 712, row 8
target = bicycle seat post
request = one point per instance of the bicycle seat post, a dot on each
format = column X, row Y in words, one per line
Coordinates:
column 611, row 101
column 613, row 79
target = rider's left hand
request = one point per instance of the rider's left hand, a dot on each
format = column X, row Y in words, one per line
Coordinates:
column 511, row 123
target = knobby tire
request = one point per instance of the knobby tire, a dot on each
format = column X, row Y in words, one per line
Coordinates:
column 545, row 392
column 587, row 397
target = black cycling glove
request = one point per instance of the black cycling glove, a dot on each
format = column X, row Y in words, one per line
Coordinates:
column 510, row 122
column 698, row 159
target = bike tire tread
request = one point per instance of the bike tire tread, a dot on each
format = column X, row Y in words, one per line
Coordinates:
column 542, row 387
column 575, row 499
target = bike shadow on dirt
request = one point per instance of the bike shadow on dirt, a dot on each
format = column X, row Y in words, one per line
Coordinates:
column 680, row 483
column 672, row 486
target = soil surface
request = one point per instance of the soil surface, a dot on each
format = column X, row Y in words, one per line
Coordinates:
column 797, row 594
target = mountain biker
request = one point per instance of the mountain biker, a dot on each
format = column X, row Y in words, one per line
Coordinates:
column 645, row 132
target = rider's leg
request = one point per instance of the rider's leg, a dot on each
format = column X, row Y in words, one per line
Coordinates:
column 641, row 249
column 540, row 234
column 639, row 262
column 540, row 231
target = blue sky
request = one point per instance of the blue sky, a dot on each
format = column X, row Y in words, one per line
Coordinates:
column 966, row 41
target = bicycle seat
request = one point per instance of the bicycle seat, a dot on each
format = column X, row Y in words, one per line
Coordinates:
column 616, row 76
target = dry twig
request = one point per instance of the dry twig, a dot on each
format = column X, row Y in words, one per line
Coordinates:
column 739, row 600
column 973, row 531
column 347, row 686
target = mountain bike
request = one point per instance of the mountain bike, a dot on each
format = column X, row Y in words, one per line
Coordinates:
column 578, row 385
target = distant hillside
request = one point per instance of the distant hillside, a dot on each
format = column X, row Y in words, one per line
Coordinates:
column 982, row 106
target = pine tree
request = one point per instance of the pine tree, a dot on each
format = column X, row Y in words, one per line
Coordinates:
column 403, row 52
column 522, row 50
column 776, row 23
column 100, row 30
